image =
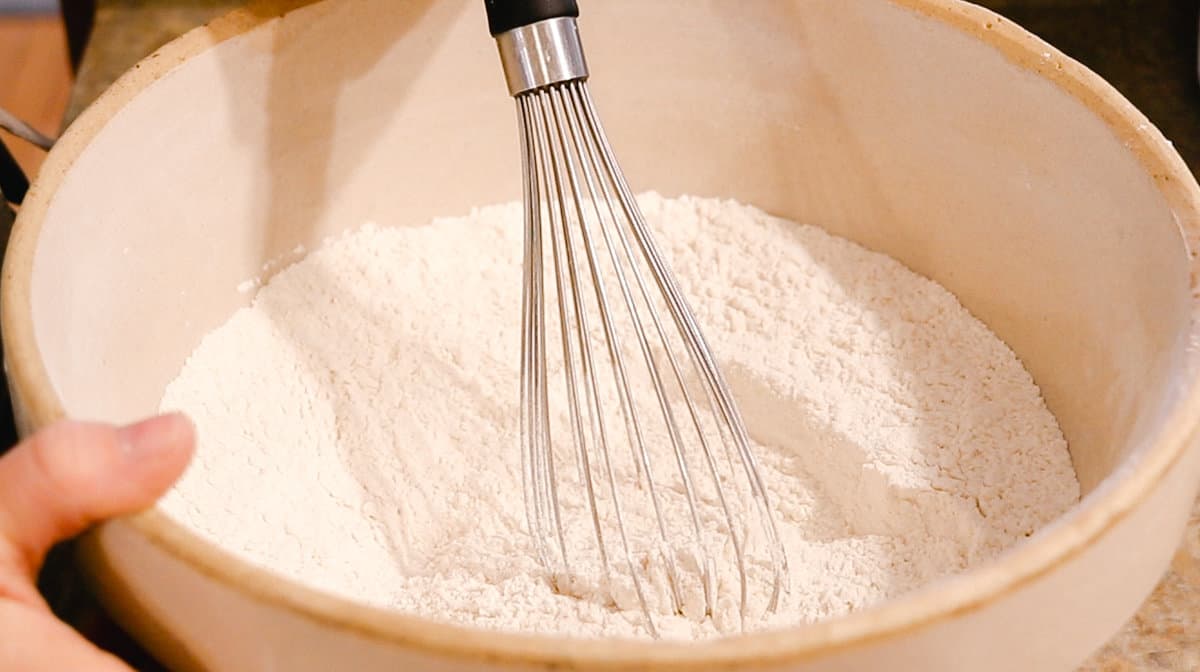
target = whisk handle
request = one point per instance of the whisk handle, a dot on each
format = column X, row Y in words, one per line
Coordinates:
column 505, row 15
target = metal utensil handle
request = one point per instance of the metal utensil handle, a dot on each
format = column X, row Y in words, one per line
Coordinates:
column 13, row 183
column 9, row 122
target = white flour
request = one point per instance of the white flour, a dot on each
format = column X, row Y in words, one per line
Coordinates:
column 359, row 426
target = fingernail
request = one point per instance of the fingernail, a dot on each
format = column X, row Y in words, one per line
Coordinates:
column 151, row 437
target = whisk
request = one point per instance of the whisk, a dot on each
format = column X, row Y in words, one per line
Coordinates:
column 625, row 330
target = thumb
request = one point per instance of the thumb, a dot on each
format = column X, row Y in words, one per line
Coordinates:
column 70, row 475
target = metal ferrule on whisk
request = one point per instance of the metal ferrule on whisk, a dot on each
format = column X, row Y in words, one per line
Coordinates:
column 541, row 54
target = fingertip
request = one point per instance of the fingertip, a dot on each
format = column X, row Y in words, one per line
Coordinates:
column 159, row 447
column 162, row 433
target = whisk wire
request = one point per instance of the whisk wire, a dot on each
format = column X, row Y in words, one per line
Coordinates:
column 575, row 190
column 702, row 357
column 568, row 129
column 530, row 370
column 557, row 160
column 535, row 334
column 593, row 174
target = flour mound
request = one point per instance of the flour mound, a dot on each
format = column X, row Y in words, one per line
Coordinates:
column 358, row 423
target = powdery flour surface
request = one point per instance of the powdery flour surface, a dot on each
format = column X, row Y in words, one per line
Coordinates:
column 359, row 430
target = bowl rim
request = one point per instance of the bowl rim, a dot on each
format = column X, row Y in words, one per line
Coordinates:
column 39, row 405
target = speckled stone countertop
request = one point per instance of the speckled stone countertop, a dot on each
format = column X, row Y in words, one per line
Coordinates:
column 1146, row 48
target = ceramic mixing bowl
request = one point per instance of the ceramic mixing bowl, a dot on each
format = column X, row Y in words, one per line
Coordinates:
column 931, row 130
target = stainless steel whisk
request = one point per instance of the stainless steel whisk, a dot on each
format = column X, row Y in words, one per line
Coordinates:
column 609, row 289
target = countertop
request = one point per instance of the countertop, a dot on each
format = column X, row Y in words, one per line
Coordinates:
column 1145, row 48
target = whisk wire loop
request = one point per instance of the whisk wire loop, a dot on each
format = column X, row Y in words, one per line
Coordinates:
column 575, row 329
column 601, row 252
column 702, row 356
column 630, row 346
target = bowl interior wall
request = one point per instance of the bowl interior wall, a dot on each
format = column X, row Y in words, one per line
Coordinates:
column 861, row 116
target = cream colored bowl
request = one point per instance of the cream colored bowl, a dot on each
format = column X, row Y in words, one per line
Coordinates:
column 931, row 130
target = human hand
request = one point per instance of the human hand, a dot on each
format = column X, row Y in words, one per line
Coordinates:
column 54, row 485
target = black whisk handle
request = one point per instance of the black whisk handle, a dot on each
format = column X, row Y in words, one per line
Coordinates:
column 505, row 15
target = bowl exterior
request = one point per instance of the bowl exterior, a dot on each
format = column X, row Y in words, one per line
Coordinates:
column 195, row 623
